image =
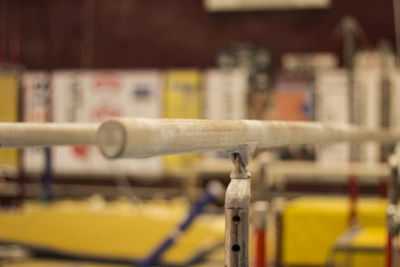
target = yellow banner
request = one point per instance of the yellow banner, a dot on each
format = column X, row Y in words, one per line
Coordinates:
column 182, row 100
column 9, row 83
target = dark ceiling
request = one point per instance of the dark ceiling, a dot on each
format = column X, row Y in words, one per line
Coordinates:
column 168, row 33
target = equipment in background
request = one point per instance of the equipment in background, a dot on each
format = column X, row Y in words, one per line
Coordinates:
column 292, row 98
column 368, row 96
column 393, row 213
column 92, row 96
column 262, row 197
column 259, row 219
column 37, row 108
column 36, row 99
column 133, row 94
column 214, row 191
column 256, row 61
column 362, row 247
column 365, row 246
column 312, row 225
column 117, row 231
column 225, row 93
column 70, row 93
column 332, row 105
column 280, row 174
column 9, row 110
column 394, row 115
column 308, row 62
column 182, row 99
column 225, row 97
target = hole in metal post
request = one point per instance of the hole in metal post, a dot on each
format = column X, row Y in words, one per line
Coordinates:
column 236, row 218
column 235, row 248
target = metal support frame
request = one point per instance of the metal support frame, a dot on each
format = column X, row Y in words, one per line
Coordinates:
column 259, row 221
column 393, row 214
column 237, row 202
column 352, row 188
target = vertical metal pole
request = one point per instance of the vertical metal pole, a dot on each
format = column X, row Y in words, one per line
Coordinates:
column 349, row 30
column 353, row 195
column 260, row 211
column 392, row 217
column 237, row 202
column 396, row 15
column 47, row 177
column 259, row 219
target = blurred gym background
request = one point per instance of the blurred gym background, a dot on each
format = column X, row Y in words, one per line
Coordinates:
column 294, row 60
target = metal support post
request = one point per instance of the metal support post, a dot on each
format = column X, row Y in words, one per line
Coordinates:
column 237, row 202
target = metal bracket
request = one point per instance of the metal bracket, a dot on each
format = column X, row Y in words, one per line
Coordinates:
column 392, row 212
column 393, row 220
column 245, row 151
column 237, row 202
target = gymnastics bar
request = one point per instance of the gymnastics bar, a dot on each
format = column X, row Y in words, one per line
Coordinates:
column 23, row 134
column 140, row 138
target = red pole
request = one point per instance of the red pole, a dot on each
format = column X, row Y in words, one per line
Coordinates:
column 260, row 257
column 389, row 251
column 383, row 187
column 260, row 232
column 353, row 194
